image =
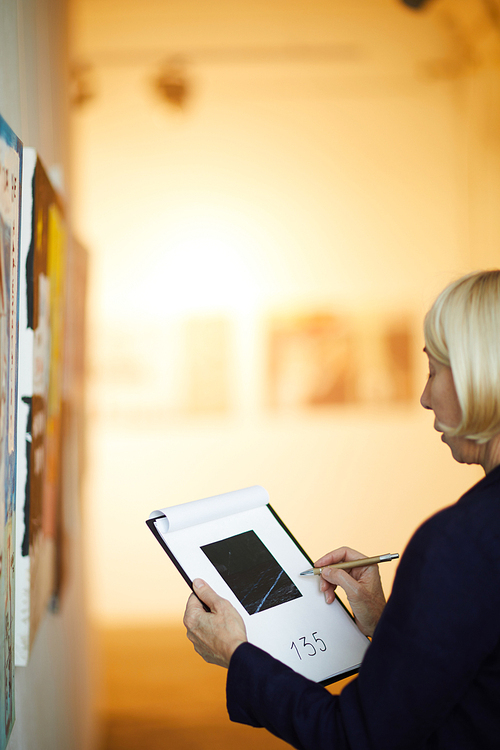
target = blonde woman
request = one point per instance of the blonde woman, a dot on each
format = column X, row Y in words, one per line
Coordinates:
column 431, row 676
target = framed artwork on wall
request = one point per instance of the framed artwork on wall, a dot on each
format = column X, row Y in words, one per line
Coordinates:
column 41, row 336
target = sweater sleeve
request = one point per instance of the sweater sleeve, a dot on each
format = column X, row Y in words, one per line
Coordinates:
column 263, row 692
column 418, row 673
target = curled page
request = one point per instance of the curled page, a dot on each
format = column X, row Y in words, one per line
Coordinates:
column 208, row 509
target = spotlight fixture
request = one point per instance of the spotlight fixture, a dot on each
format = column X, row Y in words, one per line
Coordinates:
column 172, row 84
column 82, row 88
column 415, row 4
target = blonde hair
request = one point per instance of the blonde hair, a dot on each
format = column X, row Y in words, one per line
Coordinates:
column 462, row 331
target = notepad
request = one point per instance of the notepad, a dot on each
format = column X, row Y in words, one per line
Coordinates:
column 239, row 545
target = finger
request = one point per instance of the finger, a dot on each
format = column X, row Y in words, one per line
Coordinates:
column 327, row 589
column 330, row 596
column 206, row 594
column 192, row 612
column 337, row 555
column 341, row 554
column 324, row 585
column 341, row 578
column 193, row 603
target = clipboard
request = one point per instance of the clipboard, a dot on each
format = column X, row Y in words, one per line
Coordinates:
column 240, row 546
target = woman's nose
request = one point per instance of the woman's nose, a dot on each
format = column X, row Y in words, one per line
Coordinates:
column 425, row 399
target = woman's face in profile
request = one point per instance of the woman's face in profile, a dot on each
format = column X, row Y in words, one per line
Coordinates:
column 440, row 396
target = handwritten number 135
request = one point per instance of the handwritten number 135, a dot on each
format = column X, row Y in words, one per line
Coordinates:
column 311, row 649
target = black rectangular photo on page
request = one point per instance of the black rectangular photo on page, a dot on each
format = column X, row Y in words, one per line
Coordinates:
column 251, row 572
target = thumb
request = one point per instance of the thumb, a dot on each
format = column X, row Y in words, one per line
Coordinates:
column 205, row 593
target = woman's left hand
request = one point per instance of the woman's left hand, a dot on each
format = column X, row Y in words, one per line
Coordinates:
column 216, row 634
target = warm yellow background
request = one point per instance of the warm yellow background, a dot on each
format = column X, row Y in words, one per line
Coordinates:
column 353, row 184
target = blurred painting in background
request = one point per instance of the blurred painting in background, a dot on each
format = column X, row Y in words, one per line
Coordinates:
column 311, row 361
column 325, row 360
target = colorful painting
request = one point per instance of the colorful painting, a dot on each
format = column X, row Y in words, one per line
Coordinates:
column 10, row 202
column 41, row 336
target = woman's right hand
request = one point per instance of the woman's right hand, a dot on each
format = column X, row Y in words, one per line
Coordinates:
column 361, row 585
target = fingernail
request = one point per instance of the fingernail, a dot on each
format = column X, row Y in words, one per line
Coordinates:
column 198, row 583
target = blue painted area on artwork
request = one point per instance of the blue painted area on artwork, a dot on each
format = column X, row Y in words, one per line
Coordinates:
column 8, row 135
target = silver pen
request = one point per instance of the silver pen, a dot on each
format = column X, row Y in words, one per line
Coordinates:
column 348, row 564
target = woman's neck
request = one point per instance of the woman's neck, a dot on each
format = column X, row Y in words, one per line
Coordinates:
column 491, row 457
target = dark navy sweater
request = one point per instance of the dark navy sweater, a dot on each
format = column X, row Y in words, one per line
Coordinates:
column 431, row 676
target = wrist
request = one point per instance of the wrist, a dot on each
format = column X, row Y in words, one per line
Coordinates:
column 232, row 648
